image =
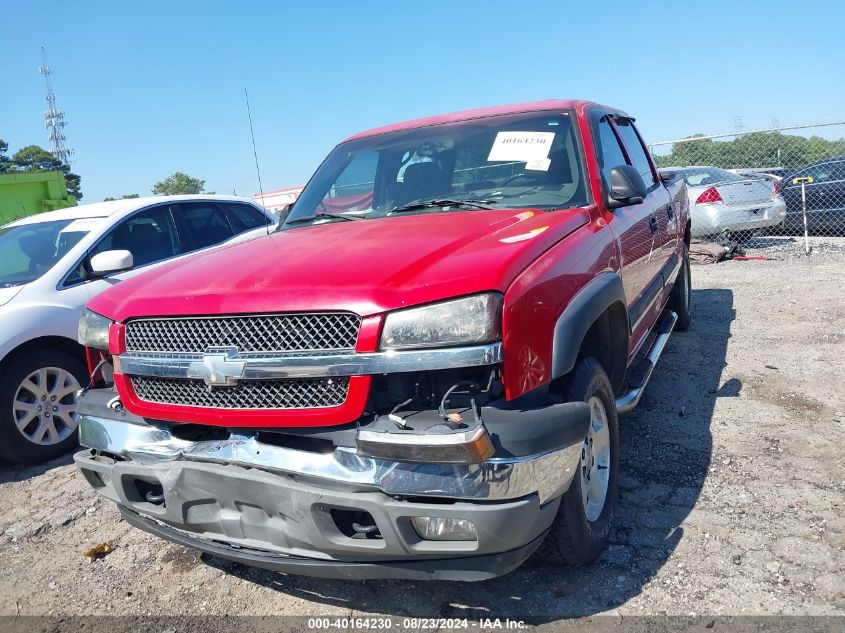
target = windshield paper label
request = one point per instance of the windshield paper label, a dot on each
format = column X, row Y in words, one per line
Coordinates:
column 538, row 164
column 522, row 146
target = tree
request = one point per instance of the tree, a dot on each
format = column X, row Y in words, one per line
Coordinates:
column 33, row 158
column 178, row 183
column 5, row 165
column 126, row 196
column 753, row 150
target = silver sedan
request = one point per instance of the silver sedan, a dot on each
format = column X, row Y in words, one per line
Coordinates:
column 721, row 200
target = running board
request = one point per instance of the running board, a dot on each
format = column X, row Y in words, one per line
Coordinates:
column 631, row 398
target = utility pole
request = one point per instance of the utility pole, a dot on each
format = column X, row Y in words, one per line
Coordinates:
column 54, row 119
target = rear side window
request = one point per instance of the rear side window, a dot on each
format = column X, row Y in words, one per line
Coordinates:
column 635, row 150
column 611, row 152
column 243, row 217
column 202, row 224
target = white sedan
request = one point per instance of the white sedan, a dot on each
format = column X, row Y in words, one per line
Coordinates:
column 720, row 200
column 52, row 264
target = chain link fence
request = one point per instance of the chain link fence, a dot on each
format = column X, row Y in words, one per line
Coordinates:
column 758, row 183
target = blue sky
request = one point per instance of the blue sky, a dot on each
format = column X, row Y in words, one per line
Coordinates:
column 153, row 87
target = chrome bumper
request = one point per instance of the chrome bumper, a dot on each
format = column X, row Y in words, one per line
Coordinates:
column 547, row 474
column 251, row 367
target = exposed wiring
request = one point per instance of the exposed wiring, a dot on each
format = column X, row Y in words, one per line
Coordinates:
column 396, row 419
column 453, row 421
column 91, row 379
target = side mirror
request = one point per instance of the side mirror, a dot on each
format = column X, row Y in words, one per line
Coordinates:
column 284, row 212
column 110, row 262
column 627, row 187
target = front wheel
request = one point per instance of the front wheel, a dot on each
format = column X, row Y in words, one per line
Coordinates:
column 37, row 406
column 580, row 530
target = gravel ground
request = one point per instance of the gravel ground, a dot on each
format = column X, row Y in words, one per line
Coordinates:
column 732, row 495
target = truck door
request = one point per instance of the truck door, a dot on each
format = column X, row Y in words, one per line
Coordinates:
column 637, row 228
column 666, row 239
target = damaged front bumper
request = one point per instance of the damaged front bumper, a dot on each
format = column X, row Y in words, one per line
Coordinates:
column 305, row 512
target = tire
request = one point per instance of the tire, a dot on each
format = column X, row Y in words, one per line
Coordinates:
column 576, row 537
column 680, row 302
column 45, row 379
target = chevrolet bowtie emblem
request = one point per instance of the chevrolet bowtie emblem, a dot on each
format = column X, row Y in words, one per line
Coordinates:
column 218, row 368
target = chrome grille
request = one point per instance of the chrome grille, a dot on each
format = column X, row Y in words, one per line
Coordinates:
column 308, row 393
column 253, row 334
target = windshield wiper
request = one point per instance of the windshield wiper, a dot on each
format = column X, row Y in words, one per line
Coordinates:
column 444, row 202
column 323, row 216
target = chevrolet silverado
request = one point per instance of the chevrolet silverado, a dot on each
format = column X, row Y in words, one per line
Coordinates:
column 418, row 375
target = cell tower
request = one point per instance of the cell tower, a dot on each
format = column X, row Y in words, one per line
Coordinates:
column 54, row 119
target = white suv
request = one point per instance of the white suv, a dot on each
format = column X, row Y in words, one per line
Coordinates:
column 51, row 264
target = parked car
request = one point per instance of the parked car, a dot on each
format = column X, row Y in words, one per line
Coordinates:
column 723, row 201
column 825, row 198
column 51, row 264
column 428, row 387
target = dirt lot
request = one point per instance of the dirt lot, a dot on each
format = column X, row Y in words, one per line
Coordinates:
column 732, row 501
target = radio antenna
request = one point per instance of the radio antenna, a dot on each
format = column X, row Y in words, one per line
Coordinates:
column 254, row 152
column 54, row 119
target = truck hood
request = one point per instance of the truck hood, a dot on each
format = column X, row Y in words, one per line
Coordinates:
column 365, row 267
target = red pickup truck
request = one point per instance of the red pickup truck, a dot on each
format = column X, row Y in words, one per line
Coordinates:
column 418, row 375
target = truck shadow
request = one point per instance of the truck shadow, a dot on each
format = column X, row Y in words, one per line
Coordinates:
column 666, row 455
column 11, row 473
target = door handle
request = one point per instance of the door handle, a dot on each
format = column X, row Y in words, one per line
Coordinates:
column 670, row 211
column 653, row 224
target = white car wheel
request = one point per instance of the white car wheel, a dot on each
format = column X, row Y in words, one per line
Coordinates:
column 43, row 406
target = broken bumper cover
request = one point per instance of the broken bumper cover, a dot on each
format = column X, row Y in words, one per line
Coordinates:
column 477, row 567
column 278, row 508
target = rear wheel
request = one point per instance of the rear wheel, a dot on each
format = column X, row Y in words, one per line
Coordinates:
column 580, row 530
column 37, row 406
column 681, row 300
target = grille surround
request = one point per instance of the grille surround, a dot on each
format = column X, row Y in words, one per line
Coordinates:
column 293, row 393
column 250, row 334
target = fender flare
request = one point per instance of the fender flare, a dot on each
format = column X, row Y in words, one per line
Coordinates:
column 586, row 306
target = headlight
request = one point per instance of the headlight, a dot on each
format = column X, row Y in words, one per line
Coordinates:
column 94, row 330
column 475, row 319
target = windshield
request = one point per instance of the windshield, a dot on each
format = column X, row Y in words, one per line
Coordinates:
column 514, row 161
column 28, row 251
column 704, row 176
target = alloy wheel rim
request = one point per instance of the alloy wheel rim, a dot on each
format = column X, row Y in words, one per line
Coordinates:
column 595, row 461
column 687, row 287
column 43, row 407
